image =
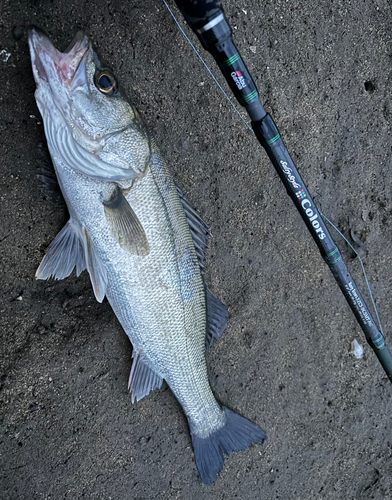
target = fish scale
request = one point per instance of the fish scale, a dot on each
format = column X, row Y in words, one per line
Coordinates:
column 139, row 238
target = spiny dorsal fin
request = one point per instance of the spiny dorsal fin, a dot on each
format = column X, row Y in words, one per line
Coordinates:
column 142, row 378
column 124, row 224
column 217, row 314
column 199, row 230
column 64, row 253
column 217, row 318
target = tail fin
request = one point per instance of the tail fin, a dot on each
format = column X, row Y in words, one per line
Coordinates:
column 237, row 434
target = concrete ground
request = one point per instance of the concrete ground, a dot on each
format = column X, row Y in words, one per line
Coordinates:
column 68, row 428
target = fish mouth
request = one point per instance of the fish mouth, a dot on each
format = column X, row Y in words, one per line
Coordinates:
column 69, row 65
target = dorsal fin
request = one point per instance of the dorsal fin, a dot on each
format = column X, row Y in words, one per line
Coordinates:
column 217, row 318
column 199, row 230
column 142, row 378
column 217, row 314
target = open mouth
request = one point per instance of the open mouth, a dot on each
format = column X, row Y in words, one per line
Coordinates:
column 68, row 64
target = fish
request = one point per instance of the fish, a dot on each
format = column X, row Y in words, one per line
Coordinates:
column 141, row 241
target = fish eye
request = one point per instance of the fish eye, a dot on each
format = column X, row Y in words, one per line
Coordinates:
column 106, row 82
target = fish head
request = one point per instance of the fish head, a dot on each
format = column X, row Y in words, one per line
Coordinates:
column 89, row 124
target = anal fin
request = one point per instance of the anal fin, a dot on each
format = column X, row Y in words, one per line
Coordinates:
column 142, row 378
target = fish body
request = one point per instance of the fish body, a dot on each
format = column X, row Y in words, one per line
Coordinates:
column 141, row 241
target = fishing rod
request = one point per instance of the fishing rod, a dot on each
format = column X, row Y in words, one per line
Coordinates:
column 207, row 19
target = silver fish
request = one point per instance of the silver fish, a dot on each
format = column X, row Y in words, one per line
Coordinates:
column 139, row 238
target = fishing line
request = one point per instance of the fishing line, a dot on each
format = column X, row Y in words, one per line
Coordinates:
column 363, row 267
column 207, row 68
column 246, row 123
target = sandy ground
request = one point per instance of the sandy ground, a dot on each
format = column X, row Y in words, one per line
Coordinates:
column 68, row 428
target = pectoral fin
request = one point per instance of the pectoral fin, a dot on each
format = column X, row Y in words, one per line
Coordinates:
column 124, row 224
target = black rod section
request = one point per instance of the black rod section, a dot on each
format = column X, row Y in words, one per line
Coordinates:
column 208, row 21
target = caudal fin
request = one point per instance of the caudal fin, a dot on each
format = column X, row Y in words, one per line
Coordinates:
column 237, row 434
